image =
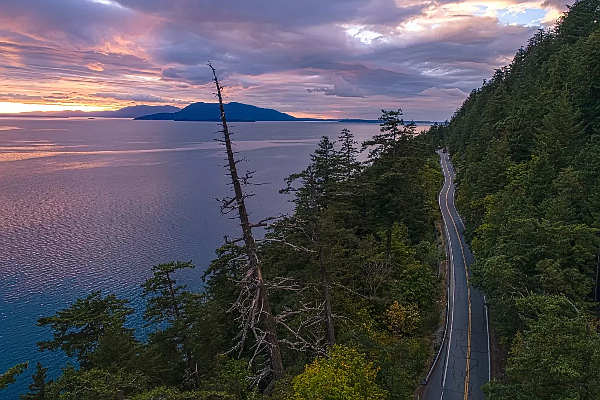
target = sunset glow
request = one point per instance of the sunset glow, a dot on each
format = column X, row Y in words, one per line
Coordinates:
column 14, row 108
column 343, row 58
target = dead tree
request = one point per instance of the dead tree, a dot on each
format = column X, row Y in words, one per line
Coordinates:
column 253, row 301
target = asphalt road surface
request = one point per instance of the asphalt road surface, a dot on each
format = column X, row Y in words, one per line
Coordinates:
column 463, row 362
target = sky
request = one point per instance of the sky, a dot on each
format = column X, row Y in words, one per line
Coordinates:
column 317, row 58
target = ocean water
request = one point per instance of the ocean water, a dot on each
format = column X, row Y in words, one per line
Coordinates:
column 91, row 205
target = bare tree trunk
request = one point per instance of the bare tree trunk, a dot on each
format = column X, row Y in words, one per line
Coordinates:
column 250, row 246
column 326, row 295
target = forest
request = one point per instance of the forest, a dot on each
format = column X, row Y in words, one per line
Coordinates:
column 340, row 300
column 526, row 146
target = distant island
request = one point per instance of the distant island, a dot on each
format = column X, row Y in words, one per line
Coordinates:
column 137, row 111
column 210, row 112
column 202, row 112
column 240, row 112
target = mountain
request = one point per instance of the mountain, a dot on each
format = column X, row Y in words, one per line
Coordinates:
column 236, row 112
column 210, row 112
column 139, row 111
column 127, row 112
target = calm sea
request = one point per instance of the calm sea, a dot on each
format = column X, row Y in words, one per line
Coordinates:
column 91, row 205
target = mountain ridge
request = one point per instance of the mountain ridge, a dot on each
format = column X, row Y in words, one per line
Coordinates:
column 199, row 111
column 210, row 112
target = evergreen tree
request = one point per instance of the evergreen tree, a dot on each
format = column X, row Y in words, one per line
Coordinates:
column 525, row 147
column 166, row 304
column 79, row 329
column 318, row 182
column 10, row 376
column 37, row 388
column 348, row 153
column 319, row 189
column 394, row 135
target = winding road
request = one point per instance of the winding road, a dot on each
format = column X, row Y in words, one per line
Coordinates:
column 463, row 362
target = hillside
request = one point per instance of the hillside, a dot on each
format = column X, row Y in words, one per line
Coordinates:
column 138, row 111
column 210, row 112
column 527, row 150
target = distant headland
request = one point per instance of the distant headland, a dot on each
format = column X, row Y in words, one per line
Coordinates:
column 202, row 112
column 240, row 112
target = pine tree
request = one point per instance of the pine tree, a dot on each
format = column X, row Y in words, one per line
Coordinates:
column 10, row 376
column 37, row 388
column 78, row 329
column 561, row 133
column 166, row 304
column 394, row 134
column 390, row 172
column 318, row 190
column 348, row 154
column 318, row 182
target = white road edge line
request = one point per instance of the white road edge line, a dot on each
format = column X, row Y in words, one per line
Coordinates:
column 484, row 296
column 445, row 334
column 449, row 180
column 487, row 327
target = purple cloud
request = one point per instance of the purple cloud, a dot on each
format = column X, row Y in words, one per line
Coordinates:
column 346, row 58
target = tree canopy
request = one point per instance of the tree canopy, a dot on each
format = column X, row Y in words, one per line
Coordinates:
column 526, row 146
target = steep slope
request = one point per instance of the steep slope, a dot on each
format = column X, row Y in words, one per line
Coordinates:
column 527, row 150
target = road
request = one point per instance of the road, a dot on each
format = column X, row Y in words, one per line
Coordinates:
column 463, row 362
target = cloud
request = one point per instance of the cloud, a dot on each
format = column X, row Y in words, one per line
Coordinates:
column 559, row 4
column 196, row 75
column 441, row 92
column 20, row 97
column 95, row 66
column 341, row 88
column 142, row 98
column 36, row 97
column 345, row 58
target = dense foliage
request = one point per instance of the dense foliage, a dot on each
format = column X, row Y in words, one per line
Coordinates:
column 527, row 149
column 10, row 376
column 352, row 281
column 344, row 374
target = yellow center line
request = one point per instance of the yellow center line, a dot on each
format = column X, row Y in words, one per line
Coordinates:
column 462, row 250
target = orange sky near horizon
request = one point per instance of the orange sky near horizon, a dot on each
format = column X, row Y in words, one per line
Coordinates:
column 17, row 108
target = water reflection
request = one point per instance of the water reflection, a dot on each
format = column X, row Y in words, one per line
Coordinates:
column 88, row 205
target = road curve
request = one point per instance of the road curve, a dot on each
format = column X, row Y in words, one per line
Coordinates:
column 463, row 362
